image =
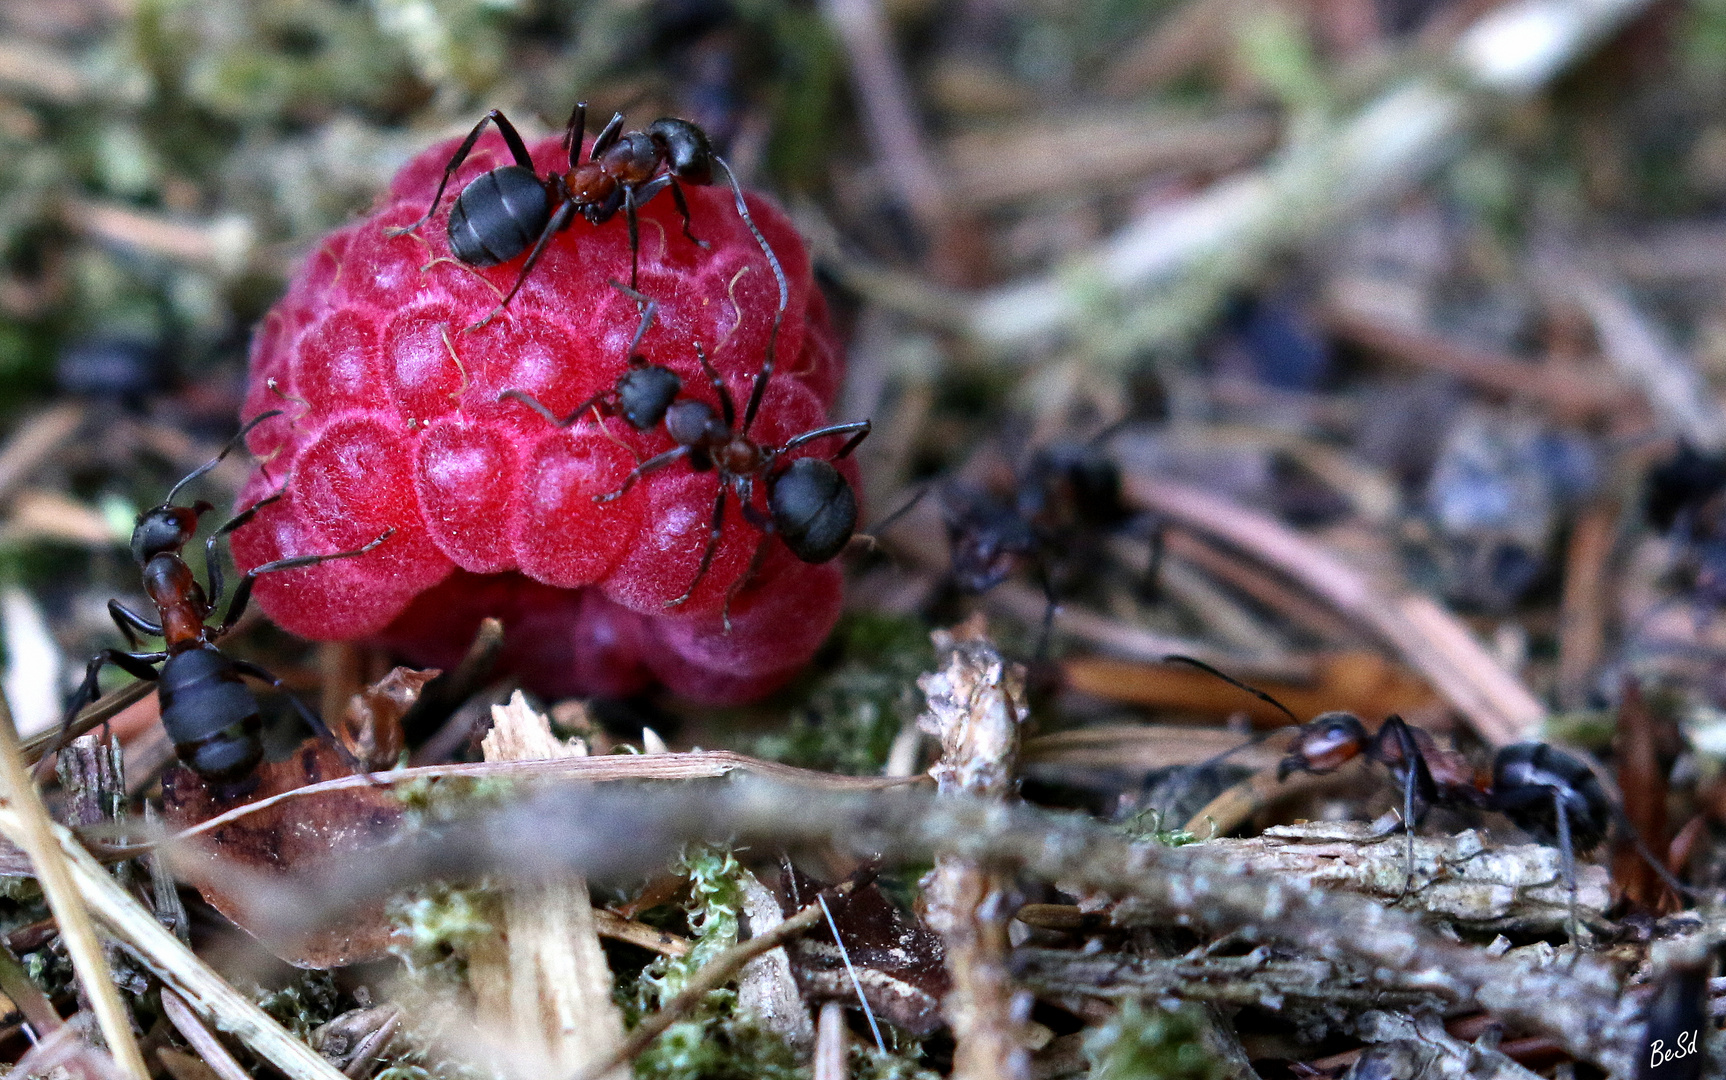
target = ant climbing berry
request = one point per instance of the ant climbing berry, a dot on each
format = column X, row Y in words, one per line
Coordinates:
column 809, row 504
column 511, row 209
column 206, row 708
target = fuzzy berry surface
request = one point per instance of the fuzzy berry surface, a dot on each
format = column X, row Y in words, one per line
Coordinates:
column 392, row 419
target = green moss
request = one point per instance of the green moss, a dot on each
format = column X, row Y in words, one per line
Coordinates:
column 1148, row 824
column 1148, row 1044
column 433, row 924
column 309, row 1000
column 859, row 704
column 715, row 918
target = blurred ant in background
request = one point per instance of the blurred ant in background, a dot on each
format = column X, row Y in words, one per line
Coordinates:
column 1547, row 793
column 1685, row 498
column 206, row 708
column 1053, row 514
column 506, row 211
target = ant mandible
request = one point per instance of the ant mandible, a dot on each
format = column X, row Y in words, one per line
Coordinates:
column 1544, row 791
column 206, row 709
column 502, row 213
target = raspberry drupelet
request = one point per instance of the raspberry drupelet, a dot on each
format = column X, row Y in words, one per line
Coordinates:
column 393, row 419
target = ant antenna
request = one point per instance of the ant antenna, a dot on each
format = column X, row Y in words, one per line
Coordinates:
column 217, row 460
column 910, row 504
column 1234, row 682
column 760, row 388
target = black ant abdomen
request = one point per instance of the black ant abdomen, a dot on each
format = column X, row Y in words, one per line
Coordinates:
column 498, row 216
column 207, row 711
column 1531, row 780
column 814, row 509
column 512, row 208
column 215, row 724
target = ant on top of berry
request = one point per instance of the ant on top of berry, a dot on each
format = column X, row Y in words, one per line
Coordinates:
column 206, row 709
column 510, row 209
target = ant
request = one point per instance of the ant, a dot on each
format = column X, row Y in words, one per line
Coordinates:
column 206, row 708
column 1060, row 501
column 1549, row 794
column 504, row 212
column 810, row 505
column 1683, row 498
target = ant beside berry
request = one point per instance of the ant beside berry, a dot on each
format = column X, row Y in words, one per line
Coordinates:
column 506, row 211
column 1059, row 505
column 1544, row 791
column 206, row 708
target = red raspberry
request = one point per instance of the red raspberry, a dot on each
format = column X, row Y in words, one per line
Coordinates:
column 393, row 420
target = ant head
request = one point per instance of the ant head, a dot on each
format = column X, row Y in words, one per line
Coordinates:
column 814, row 510
column 1326, row 744
column 165, row 530
column 988, row 538
column 645, row 392
column 690, row 422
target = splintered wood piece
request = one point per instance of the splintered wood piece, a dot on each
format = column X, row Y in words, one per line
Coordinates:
column 543, row 983
column 976, row 708
column 766, row 987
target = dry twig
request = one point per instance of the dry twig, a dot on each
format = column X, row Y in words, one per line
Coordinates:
column 32, row 829
column 541, row 984
column 976, row 708
column 1428, row 638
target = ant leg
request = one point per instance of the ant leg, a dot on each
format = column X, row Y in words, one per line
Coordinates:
column 1150, row 589
column 574, row 132
column 714, row 533
column 652, row 464
column 138, row 665
column 1659, row 867
column 517, row 149
column 312, row 719
column 629, row 205
column 559, row 222
column 647, row 305
column 1569, row 855
column 910, row 504
column 243, row 593
column 1414, row 771
column 538, row 406
column 857, row 429
column 607, row 137
column 238, row 439
column 131, row 623
column 726, row 405
column 683, row 210
column 213, row 565
column 1051, row 604
column 748, row 575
